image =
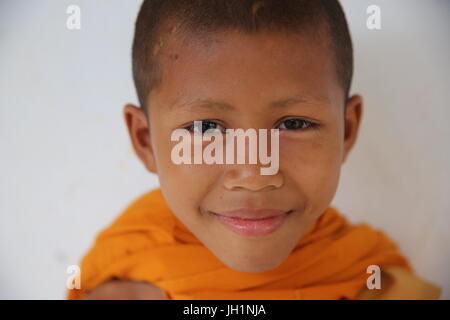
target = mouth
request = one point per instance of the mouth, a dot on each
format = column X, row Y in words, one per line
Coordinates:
column 252, row 222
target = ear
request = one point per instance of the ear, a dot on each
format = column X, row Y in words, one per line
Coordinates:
column 353, row 114
column 139, row 132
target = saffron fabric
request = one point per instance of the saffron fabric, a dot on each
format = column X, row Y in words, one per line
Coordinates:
column 148, row 243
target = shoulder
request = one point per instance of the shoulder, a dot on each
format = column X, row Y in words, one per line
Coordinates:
column 116, row 289
column 401, row 284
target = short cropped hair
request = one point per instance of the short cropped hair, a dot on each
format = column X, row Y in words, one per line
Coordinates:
column 323, row 19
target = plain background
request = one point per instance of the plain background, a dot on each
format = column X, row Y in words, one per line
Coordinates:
column 67, row 168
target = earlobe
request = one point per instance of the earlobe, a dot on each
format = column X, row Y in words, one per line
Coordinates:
column 138, row 130
column 352, row 118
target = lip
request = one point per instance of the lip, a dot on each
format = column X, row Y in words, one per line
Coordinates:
column 252, row 222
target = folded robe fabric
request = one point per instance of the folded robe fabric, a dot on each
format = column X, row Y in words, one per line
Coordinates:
column 148, row 243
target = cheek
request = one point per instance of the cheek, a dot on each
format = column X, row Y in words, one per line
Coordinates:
column 185, row 185
column 313, row 164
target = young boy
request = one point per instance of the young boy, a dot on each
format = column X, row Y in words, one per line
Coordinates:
column 225, row 230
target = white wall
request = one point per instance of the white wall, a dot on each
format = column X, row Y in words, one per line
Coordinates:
column 67, row 168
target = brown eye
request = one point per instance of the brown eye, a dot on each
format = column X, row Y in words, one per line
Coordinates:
column 204, row 125
column 296, row 124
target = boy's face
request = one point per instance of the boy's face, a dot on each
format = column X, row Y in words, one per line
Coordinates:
column 249, row 72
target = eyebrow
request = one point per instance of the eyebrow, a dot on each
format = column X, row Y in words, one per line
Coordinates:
column 212, row 104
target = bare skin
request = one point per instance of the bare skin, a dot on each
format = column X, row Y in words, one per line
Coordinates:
column 267, row 68
column 125, row 290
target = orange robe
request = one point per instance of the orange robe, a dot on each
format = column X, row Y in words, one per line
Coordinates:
column 148, row 243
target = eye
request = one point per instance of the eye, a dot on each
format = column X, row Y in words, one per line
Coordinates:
column 297, row 124
column 204, row 125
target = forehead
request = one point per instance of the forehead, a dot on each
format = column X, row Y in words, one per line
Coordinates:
column 237, row 67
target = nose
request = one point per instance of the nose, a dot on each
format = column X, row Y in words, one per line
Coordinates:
column 248, row 177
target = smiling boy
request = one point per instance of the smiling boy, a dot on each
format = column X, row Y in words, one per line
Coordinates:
column 225, row 231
